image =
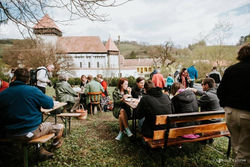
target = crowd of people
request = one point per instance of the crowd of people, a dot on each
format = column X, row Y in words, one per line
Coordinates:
column 20, row 103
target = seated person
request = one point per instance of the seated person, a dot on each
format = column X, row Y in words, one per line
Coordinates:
column 105, row 99
column 84, row 81
column 152, row 104
column 92, row 86
column 122, row 110
column 138, row 90
column 184, row 101
column 208, row 100
column 21, row 117
column 3, row 85
column 83, row 84
column 65, row 93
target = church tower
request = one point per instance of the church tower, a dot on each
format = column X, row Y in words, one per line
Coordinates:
column 113, row 54
column 47, row 30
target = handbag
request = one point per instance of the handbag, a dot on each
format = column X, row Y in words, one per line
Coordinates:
column 84, row 113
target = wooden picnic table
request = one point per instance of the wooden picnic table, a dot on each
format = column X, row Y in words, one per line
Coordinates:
column 57, row 105
column 133, row 103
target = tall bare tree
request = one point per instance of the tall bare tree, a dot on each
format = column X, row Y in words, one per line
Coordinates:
column 32, row 54
column 163, row 53
column 28, row 12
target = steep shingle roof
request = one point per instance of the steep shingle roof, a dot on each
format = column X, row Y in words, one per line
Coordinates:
column 46, row 22
column 81, row 44
column 110, row 46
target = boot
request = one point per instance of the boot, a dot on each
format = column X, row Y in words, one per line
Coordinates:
column 45, row 153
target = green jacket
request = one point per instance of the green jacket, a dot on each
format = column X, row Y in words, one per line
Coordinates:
column 117, row 96
column 93, row 86
column 64, row 92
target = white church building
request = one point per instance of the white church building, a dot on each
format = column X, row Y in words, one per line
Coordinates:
column 90, row 56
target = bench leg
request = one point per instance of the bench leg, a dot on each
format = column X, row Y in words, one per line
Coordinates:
column 69, row 119
column 229, row 147
column 162, row 157
column 25, row 155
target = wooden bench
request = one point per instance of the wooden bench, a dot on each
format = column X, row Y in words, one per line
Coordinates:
column 66, row 118
column 171, row 135
column 40, row 140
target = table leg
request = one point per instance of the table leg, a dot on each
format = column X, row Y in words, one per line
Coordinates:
column 69, row 124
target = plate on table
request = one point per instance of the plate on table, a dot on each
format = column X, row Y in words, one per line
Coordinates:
column 128, row 99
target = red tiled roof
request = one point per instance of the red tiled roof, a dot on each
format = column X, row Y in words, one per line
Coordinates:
column 46, row 22
column 81, row 44
column 110, row 46
column 137, row 62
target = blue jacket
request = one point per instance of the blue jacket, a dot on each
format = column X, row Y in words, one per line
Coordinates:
column 193, row 73
column 20, row 108
column 169, row 81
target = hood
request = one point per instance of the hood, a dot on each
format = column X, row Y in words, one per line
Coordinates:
column 156, row 92
column 186, row 96
column 212, row 90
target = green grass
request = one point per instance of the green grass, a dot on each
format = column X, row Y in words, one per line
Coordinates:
column 92, row 143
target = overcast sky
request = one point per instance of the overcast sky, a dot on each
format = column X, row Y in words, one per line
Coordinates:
column 155, row 21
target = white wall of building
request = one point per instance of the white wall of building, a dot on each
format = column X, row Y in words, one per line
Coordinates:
column 114, row 61
column 48, row 39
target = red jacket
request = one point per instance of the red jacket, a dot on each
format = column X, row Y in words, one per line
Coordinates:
column 158, row 80
column 105, row 87
column 3, row 85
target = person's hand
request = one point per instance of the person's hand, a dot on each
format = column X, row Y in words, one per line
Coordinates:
column 129, row 90
column 50, row 83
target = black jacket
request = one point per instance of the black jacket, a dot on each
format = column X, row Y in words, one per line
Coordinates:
column 136, row 92
column 185, row 102
column 234, row 87
column 208, row 100
column 152, row 104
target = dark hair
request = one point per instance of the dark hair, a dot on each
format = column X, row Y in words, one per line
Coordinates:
column 209, row 81
column 182, row 70
column 120, row 82
column 90, row 77
column 83, row 76
column 244, row 53
column 139, row 79
column 175, row 87
column 22, row 74
column 148, row 85
column 99, row 76
column 214, row 68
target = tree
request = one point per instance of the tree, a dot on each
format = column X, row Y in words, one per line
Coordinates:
column 27, row 12
column 244, row 39
column 32, row 54
column 162, row 53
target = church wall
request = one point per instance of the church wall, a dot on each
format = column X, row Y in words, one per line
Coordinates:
column 48, row 39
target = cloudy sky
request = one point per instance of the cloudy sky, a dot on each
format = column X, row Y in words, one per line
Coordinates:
column 155, row 21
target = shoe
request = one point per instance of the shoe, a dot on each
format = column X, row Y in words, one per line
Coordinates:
column 119, row 136
column 210, row 141
column 45, row 153
column 58, row 144
column 128, row 132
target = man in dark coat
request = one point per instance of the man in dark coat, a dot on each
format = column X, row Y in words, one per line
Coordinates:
column 152, row 104
column 235, row 100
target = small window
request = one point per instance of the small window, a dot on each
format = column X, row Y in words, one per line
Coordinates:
column 141, row 70
column 80, row 64
column 98, row 65
column 138, row 69
column 89, row 65
column 150, row 69
column 146, row 69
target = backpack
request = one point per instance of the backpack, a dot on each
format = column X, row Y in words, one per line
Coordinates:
column 33, row 76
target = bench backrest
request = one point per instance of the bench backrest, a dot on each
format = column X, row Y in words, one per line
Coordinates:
column 171, row 119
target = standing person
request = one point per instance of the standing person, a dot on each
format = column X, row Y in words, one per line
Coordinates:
column 42, row 77
column 11, row 75
column 138, row 90
column 215, row 75
column 21, row 117
column 193, row 74
column 122, row 110
column 184, row 77
column 152, row 104
column 3, row 85
column 169, row 82
column 158, row 79
column 235, row 100
column 152, row 74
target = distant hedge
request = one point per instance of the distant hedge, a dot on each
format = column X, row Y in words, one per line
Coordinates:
column 111, row 81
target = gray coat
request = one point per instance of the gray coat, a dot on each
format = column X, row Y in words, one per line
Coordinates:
column 208, row 100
